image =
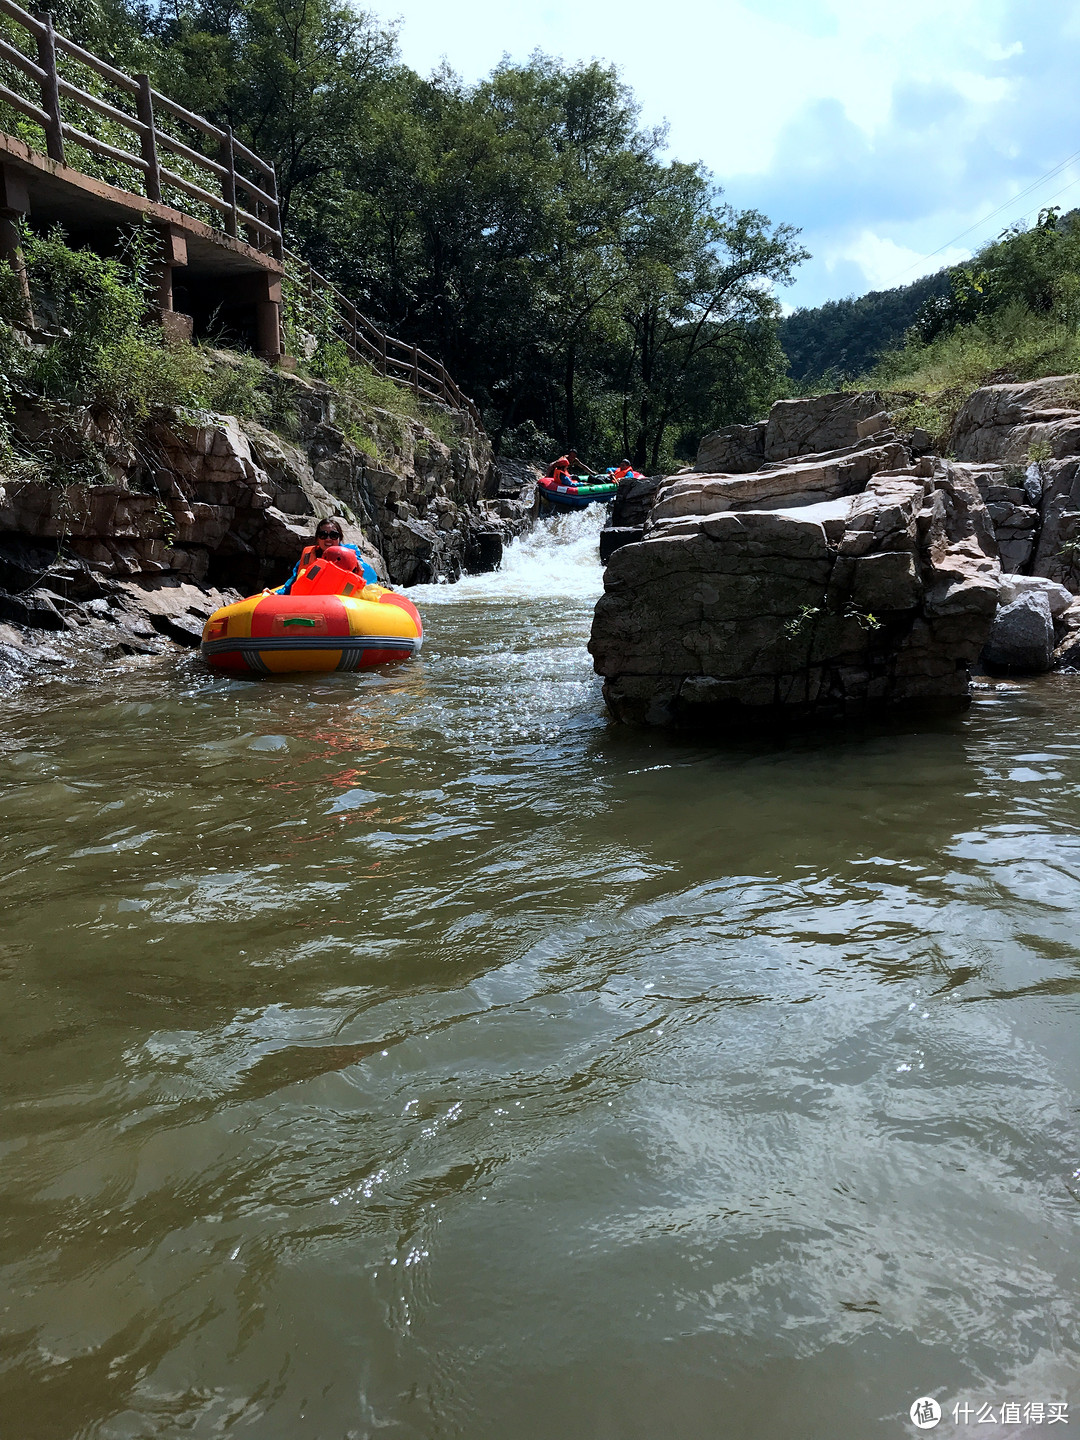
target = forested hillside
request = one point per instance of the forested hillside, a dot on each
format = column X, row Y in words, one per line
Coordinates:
column 526, row 230
column 842, row 339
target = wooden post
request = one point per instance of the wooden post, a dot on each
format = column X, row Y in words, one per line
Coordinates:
column 144, row 108
column 385, row 367
column 50, row 90
column 14, row 204
column 277, row 248
column 228, row 183
column 416, row 372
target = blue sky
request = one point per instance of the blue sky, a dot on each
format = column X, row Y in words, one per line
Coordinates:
column 882, row 130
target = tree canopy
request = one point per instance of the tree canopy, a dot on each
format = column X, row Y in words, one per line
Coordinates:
column 527, row 230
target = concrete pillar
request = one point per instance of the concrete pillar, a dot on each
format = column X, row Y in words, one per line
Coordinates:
column 14, row 205
column 268, row 316
column 174, row 257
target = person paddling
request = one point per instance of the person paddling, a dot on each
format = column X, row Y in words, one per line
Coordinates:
column 329, row 534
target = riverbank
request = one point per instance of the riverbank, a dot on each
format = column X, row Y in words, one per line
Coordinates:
column 193, row 509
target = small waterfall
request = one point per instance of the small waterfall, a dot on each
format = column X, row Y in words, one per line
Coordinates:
column 559, row 557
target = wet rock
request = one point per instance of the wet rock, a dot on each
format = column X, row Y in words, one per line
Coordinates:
column 614, row 537
column 634, row 500
column 36, row 609
column 483, row 551
column 1022, row 637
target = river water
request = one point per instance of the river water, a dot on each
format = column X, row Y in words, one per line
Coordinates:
column 418, row 1055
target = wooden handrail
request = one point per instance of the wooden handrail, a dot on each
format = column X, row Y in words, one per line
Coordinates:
column 419, row 372
column 261, row 223
column 16, row 57
column 220, row 173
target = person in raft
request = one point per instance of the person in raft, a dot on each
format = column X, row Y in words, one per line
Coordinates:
column 329, row 534
column 566, row 469
column 622, row 470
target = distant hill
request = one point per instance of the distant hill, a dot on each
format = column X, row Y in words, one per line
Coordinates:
column 847, row 336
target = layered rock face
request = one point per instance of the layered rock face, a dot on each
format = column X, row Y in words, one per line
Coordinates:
column 824, row 609
column 794, row 427
column 201, row 511
column 854, row 578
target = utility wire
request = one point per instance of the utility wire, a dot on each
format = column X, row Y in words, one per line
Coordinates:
column 1057, row 169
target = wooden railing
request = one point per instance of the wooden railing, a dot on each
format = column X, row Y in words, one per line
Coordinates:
column 248, row 207
column 365, row 342
column 225, row 182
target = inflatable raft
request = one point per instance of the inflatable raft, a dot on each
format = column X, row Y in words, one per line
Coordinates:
column 331, row 620
column 574, row 496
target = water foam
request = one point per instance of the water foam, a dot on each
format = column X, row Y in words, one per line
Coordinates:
column 559, row 557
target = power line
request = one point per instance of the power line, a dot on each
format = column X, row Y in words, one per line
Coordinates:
column 1005, row 205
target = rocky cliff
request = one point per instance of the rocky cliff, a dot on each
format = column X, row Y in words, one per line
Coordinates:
column 835, row 568
column 199, row 509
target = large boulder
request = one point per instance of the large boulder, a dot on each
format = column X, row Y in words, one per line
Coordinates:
column 732, row 451
column 634, row 499
column 1003, row 422
column 819, row 423
column 1022, row 637
column 1057, row 597
column 852, row 604
column 815, row 425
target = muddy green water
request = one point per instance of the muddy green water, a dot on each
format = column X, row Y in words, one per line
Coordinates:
column 418, row 1055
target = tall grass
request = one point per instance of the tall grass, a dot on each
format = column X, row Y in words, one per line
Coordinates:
column 929, row 382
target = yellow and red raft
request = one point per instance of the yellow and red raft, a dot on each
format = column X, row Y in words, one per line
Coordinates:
column 331, row 620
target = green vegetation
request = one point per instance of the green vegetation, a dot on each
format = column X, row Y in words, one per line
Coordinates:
column 1010, row 313
column 525, row 230
column 102, row 353
column 842, row 339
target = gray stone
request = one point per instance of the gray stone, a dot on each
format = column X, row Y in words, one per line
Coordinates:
column 818, row 423
column 1058, row 598
column 1003, row 422
column 634, row 500
column 1022, row 636
column 751, row 617
column 802, row 482
column 734, row 450
column 614, row 537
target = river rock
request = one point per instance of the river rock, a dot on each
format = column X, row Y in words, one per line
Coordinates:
column 1022, row 637
column 751, row 616
column 634, row 499
column 614, row 537
column 1058, row 598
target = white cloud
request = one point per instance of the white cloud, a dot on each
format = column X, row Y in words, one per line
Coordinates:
column 881, row 129
column 885, row 263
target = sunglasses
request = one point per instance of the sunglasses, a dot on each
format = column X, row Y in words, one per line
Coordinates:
column 328, row 535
